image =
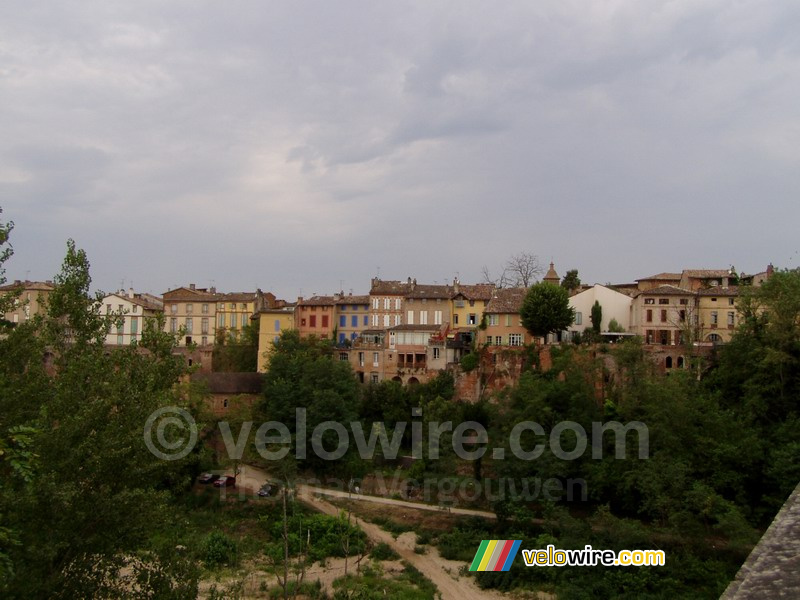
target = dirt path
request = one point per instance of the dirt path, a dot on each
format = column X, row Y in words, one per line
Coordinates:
column 443, row 573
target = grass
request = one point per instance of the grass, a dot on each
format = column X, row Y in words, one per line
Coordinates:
column 408, row 585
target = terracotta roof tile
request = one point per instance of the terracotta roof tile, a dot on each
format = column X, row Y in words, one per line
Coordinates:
column 507, row 300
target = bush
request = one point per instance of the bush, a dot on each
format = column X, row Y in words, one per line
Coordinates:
column 384, row 551
column 219, row 549
column 469, row 362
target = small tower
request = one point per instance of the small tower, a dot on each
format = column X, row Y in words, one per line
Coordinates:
column 552, row 276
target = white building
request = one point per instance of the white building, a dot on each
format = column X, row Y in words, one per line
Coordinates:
column 133, row 310
column 615, row 306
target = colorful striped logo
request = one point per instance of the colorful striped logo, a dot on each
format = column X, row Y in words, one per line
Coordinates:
column 495, row 555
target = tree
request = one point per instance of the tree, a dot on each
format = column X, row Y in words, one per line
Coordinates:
column 571, row 280
column 615, row 327
column 236, row 353
column 96, row 492
column 546, row 309
column 597, row 316
column 520, row 270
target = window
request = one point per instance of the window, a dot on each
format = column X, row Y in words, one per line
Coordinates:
column 714, row 318
column 649, row 301
column 312, row 321
column 173, row 309
column 325, row 321
column 375, row 358
column 355, row 306
column 579, row 318
column 354, row 321
column 731, row 318
column 374, row 377
column 455, row 319
column 663, row 315
column 437, row 317
column 360, row 359
column 375, row 303
column 343, row 356
column 342, row 321
column 515, row 339
column 366, row 320
column 494, row 319
column 189, row 325
column 233, row 305
column 134, row 325
column 410, row 317
column 120, row 340
column 682, row 315
column 189, row 308
column 668, row 362
column 663, row 300
column 204, row 325
column 244, row 319
column 683, row 301
column 374, row 320
column 472, row 302
column 233, row 320
column 108, row 308
column 396, row 320
column 471, row 319
column 386, row 320
column 713, row 299
column 173, row 325
column 135, row 308
column 423, row 317
column 225, row 403
column 498, row 340
column 649, row 315
column 221, row 306
column 386, row 303
column 204, row 341
column 508, row 320
column 221, row 321
column 204, row 309
column 730, row 301
column 397, row 303
column 341, row 338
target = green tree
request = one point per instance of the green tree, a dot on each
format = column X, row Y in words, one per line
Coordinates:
column 95, row 491
column 571, row 281
column 237, row 353
column 546, row 309
column 615, row 327
column 303, row 374
column 597, row 316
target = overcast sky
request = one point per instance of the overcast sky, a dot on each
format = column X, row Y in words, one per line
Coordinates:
column 303, row 146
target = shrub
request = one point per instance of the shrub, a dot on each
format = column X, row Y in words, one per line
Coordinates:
column 219, row 549
column 469, row 362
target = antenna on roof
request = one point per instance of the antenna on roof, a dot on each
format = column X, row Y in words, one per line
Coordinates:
column 378, row 274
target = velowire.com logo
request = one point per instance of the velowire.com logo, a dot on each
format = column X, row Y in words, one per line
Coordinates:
column 495, row 555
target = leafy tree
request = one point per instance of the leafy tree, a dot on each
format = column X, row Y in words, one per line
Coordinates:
column 303, row 373
column 95, row 490
column 571, row 281
column 615, row 327
column 597, row 316
column 546, row 309
column 237, row 353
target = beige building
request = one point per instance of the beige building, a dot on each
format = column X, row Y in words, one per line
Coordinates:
column 428, row 305
column 32, row 299
column 664, row 315
column 717, row 313
column 615, row 305
column 387, row 302
column 503, row 324
column 191, row 311
column 133, row 311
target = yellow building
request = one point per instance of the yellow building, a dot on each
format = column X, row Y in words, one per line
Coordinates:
column 503, row 322
column 235, row 310
column 32, row 299
column 272, row 322
column 469, row 303
column 718, row 316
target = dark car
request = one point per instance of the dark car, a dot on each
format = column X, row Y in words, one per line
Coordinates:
column 266, row 490
column 207, row 478
column 225, row 481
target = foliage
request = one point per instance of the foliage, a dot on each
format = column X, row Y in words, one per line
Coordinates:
column 219, row 549
column 469, row 362
column 384, row 551
column 237, row 353
column 546, row 309
column 571, row 281
column 615, row 327
column 597, row 316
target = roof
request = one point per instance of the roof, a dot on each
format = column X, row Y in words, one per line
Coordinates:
column 507, row 300
column 391, row 288
column 667, row 290
column 350, row 299
column 479, row 291
column 551, row 274
column 237, row 297
column 707, row 273
column 416, row 328
column 317, row 301
column 193, row 295
column 146, row 301
column 718, row 290
column 231, row 383
column 430, row 291
column 662, row 277
column 42, row 286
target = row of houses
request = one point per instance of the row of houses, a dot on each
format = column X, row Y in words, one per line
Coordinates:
column 409, row 331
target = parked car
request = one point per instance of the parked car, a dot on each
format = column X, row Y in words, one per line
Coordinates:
column 207, row 478
column 265, row 490
column 225, row 481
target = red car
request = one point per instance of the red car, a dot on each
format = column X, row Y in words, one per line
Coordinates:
column 225, row 481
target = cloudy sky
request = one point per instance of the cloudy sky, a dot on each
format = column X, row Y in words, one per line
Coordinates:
column 307, row 146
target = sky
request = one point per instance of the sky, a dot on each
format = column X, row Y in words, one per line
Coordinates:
column 307, row 146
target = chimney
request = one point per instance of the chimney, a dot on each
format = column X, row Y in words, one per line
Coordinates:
column 770, row 270
column 213, row 290
column 191, row 286
column 299, row 299
column 455, row 285
column 130, row 292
